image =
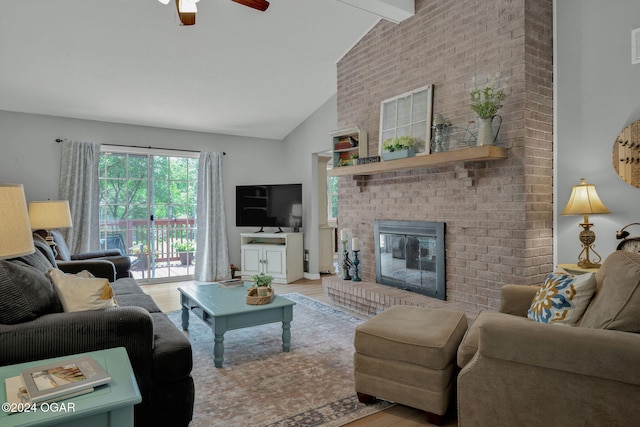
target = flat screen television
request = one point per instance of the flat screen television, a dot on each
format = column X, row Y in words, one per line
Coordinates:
column 278, row 205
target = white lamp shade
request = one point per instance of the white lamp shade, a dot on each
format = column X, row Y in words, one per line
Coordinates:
column 296, row 209
column 15, row 232
column 584, row 200
column 50, row 214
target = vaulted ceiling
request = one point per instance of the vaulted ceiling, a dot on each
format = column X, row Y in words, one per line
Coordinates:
column 238, row 71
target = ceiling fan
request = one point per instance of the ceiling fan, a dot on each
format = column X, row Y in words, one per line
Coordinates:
column 187, row 8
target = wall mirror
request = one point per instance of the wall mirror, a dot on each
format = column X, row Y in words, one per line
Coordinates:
column 626, row 154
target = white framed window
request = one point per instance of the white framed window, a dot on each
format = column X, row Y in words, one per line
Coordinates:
column 332, row 199
column 408, row 114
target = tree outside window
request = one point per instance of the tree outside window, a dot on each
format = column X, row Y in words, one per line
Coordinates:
column 332, row 198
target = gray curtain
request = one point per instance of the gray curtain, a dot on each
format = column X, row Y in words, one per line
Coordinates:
column 212, row 248
column 79, row 185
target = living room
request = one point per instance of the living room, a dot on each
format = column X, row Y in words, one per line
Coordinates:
column 589, row 95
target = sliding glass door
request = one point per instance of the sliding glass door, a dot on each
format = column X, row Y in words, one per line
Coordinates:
column 147, row 210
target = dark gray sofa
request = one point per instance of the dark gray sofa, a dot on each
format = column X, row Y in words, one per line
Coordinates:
column 120, row 260
column 33, row 326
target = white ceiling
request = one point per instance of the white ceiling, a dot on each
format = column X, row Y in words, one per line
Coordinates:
column 238, row 71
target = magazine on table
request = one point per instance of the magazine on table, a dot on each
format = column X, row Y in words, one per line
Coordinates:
column 18, row 398
column 230, row 283
column 61, row 379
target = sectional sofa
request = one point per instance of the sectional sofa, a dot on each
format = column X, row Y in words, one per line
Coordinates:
column 34, row 326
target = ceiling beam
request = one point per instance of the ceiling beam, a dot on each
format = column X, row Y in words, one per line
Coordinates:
column 391, row 10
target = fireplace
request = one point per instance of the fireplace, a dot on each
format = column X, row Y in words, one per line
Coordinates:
column 410, row 255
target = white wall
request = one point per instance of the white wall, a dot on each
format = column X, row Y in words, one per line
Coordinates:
column 309, row 138
column 597, row 95
column 30, row 156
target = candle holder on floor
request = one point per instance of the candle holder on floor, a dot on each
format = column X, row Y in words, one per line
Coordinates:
column 346, row 262
column 356, row 261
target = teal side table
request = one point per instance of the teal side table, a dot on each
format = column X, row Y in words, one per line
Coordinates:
column 110, row 405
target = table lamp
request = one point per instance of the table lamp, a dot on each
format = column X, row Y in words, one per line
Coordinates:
column 15, row 232
column 296, row 216
column 49, row 215
column 584, row 200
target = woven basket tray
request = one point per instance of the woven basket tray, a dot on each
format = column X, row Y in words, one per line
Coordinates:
column 254, row 299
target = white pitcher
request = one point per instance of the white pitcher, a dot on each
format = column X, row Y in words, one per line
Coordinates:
column 485, row 130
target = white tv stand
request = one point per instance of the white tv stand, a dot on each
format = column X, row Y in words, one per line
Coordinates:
column 276, row 254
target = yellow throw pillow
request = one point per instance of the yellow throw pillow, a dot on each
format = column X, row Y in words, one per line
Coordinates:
column 82, row 291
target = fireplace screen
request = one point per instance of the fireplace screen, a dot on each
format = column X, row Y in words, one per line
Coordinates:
column 410, row 255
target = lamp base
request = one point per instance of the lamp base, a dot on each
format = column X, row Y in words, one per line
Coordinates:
column 588, row 264
column 588, row 238
column 51, row 242
column 49, row 239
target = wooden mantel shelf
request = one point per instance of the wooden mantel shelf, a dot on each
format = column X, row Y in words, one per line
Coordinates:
column 471, row 154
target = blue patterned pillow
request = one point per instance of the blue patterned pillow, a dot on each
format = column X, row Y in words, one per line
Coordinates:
column 563, row 298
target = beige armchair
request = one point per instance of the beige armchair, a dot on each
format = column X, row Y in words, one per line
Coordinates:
column 517, row 372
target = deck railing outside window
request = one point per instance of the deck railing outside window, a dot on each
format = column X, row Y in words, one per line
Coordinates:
column 133, row 238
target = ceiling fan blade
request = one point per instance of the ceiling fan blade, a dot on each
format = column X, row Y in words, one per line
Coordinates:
column 260, row 5
column 186, row 18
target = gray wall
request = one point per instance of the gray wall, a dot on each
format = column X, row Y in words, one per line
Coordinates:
column 309, row 138
column 597, row 95
column 30, row 155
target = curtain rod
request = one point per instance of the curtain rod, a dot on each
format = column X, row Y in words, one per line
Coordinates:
column 58, row 140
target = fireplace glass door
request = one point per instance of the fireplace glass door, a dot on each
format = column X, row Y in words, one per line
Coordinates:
column 408, row 260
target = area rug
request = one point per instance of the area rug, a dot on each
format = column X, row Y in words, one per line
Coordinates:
column 260, row 385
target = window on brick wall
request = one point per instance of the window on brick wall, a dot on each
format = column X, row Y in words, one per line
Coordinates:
column 408, row 114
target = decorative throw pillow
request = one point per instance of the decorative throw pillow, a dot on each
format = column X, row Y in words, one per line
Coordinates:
column 82, row 291
column 25, row 293
column 563, row 298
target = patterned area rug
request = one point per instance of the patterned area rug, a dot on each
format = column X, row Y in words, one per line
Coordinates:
column 260, row 385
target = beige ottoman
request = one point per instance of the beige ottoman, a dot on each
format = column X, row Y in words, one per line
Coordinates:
column 407, row 355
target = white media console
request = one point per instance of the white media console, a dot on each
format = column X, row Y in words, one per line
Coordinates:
column 276, row 254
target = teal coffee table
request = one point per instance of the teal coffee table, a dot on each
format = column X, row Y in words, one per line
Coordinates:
column 225, row 309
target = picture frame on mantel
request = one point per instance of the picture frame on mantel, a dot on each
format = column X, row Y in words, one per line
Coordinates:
column 410, row 113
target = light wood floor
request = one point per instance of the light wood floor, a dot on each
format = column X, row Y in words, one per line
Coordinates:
column 167, row 297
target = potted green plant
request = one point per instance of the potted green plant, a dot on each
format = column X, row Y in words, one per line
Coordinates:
column 354, row 158
column 262, row 282
column 486, row 102
column 142, row 253
column 398, row 148
column 185, row 249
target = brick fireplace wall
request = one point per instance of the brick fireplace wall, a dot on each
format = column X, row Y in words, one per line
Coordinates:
column 498, row 214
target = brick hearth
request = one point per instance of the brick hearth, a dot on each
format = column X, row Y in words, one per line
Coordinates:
column 370, row 298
